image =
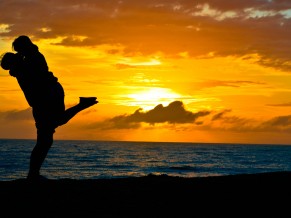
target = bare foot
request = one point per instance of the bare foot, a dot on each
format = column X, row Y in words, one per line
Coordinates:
column 87, row 101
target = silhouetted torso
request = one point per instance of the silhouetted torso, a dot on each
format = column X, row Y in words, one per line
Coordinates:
column 34, row 77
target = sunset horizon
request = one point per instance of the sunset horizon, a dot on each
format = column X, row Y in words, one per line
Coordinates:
column 202, row 71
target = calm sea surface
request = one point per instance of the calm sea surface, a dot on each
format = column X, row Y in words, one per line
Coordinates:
column 103, row 159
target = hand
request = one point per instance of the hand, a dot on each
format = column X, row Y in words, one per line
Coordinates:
column 13, row 72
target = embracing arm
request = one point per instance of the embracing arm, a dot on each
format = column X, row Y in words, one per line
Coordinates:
column 14, row 72
column 17, row 65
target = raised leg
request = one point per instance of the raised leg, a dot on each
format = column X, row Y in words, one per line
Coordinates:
column 83, row 104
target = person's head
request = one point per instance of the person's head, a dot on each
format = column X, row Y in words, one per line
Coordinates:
column 7, row 60
column 23, row 45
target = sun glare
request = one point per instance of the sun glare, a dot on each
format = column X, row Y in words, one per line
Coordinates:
column 149, row 98
column 140, row 61
column 151, row 62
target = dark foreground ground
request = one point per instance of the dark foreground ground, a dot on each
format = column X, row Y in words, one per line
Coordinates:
column 254, row 195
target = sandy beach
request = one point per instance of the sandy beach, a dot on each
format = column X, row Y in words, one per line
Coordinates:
column 149, row 196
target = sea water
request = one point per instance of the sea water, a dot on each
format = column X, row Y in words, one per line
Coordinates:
column 111, row 159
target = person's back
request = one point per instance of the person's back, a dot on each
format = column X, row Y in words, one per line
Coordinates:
column 36, row 66
column 36, row 78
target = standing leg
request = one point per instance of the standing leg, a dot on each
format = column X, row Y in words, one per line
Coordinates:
column 39, row 153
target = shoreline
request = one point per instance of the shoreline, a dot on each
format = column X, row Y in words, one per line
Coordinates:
column 148, row 196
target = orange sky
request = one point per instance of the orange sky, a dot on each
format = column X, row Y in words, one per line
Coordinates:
column 189, row 71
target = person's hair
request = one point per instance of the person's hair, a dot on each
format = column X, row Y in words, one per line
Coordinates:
column 22, row 43
column 7, row 59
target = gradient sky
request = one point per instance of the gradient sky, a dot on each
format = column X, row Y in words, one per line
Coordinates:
column 163, row 70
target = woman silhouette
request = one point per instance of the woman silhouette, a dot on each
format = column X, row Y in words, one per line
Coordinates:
column 44, row 94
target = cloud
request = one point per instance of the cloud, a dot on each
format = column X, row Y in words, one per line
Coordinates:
column 281, row 122
column 223, row 121
column 220, row 115
column 74, row 41
column 174, row 113
column 17, row 115
column 225, row 27
column 288, row 104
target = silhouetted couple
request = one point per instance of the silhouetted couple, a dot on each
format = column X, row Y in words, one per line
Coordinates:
column 44, row 94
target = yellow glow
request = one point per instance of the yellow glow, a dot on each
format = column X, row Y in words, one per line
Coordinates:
column 152, row 62
column 152, row 97
column 140, row 62
column 139, row 57
column 45, row 29
column 4, row 28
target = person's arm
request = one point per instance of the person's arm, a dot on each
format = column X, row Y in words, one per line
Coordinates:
column 16, row 66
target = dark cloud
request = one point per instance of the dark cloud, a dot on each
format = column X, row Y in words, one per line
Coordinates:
column 220, row 115
column 17, row 115
column 241, row 124
column 174, row 113
column 234, row 122
column 225, row 27
column 277, row 122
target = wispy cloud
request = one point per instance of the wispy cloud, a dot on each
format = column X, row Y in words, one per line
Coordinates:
column 230, row 83
column 281, row 122
column 224, row 27
column 17, row 115
column 288, row 104
column 223, row 121
column 220, row 115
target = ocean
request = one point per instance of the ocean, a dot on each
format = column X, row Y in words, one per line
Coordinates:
column 111, row 159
